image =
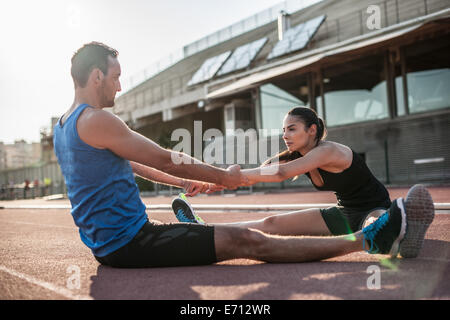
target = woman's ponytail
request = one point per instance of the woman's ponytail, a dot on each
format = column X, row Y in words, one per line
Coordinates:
column 321, row 131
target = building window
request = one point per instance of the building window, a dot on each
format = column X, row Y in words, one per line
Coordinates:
column 428, row 90
column 354, row 92
column 275, row 103
column 428, row 75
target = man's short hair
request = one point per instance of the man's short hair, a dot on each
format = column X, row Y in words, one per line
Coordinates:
column 89, row 56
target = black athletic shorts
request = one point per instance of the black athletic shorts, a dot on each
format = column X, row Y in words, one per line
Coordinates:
column 165, row 245
column 341, row 220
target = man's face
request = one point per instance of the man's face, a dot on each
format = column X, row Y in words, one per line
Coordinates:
column 110, row 84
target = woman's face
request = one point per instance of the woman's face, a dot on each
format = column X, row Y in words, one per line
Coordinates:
column 295, row 135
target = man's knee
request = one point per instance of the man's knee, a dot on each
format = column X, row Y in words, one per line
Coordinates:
column 270, row 223
column 235, row 242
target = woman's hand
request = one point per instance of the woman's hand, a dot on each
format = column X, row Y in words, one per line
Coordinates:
column 213, row 188
column 238, row 179
column 250, row 179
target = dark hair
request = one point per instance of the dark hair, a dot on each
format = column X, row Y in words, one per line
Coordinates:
column 309, row 117
column 89, row 56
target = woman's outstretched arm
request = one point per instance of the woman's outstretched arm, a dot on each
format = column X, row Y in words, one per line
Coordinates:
column 277, row 172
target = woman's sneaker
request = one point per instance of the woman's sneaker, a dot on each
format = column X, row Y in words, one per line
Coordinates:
column 420, row 214
column 386, row 233
column 183, row 210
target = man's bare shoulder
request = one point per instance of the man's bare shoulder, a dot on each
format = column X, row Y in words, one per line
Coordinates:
column 98, row 119
column 96, row 114
column 96, row 126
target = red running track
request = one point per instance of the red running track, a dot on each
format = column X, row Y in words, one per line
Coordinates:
column 42, row 256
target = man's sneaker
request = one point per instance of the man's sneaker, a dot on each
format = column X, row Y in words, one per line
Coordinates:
column 420, row 213
column 386, row 233
column 183, row 210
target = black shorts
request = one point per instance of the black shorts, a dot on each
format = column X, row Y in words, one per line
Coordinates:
column 342, row 220
column 165, row 245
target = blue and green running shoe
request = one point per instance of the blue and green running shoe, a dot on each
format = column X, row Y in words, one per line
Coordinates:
column 183, row 210
column 419, row 208
column 386, row 233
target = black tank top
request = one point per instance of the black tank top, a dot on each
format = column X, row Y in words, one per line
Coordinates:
column 355, row 187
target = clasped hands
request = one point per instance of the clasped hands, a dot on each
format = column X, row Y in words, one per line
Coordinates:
column 234, row 178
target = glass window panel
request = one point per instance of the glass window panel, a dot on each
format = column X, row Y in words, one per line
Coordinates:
column 299, row 43
column 355, row 92
column 349, row 106
column 312, row 25
column 280, row 49
column 242, row 56
column 293, row 32
column 275, row 103
column 297, row 37
column 209, row 68
column 428, row 90
column 428, row 75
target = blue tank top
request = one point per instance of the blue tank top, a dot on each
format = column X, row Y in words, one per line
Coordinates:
column 105, row 200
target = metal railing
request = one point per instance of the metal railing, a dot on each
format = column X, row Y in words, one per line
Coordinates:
column 48, row 176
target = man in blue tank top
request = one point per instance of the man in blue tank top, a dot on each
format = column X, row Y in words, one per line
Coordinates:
column 98, row 155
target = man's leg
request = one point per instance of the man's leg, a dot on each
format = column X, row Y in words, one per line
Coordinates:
column 236, row 242
column 165, row 245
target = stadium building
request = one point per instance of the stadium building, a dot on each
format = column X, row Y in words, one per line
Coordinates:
column 378, row 73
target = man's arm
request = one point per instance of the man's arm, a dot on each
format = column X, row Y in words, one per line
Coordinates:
column 101, row 129
column 191, row 187
column 156, row 175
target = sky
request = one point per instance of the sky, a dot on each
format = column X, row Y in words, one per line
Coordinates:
column 38, row 38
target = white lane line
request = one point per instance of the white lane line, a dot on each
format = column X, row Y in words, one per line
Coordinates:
column 49, row 286
column 40, row 224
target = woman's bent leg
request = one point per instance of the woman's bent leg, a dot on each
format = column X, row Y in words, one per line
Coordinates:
column 303, row 222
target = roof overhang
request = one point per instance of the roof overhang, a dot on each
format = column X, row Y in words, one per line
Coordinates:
column 270, row 72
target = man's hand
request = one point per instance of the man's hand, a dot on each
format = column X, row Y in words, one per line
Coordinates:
column 235, row 177
column 192, row 188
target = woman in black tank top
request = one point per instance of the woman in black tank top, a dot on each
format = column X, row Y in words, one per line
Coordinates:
column 330, row 166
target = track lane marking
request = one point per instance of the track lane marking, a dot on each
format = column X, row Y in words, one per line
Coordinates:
column 46, row 285
column 40, row 224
